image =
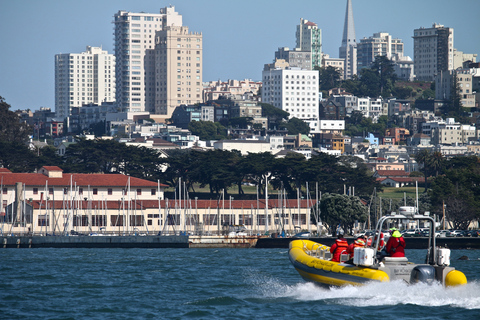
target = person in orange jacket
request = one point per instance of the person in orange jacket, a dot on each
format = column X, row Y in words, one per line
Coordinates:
column 338, row 247
column 358, row 243
column 396, row 244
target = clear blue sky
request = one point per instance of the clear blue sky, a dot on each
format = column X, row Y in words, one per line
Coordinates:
column 239, row 37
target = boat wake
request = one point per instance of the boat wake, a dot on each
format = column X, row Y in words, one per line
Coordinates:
column 380, row 294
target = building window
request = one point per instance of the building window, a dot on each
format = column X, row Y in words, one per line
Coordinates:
column 50, row 190
column 153, row 192
column 95, row 191
column 110, row 191
column 4, row 190
column 139, row 192
column 35, row 190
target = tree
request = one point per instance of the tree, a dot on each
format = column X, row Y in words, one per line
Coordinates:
column 422, row 157
column 275, row 115
column 17, row 157
column 208, row 130
column 11, row 129
column 328, row 77
column 341, row 210
column 386, row 73
column 295, row 126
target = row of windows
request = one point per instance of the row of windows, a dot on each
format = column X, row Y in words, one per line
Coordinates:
column 94, row 191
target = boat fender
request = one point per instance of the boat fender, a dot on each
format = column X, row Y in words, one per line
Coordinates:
column 455, row 278
column 422, row 273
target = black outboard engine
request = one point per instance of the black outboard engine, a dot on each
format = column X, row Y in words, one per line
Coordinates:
column 422, row 273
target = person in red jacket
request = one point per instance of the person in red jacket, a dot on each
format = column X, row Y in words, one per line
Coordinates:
column 358, row 243
column 396, row 244
column 338, row 247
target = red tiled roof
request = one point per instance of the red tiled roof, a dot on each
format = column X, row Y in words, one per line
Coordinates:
column 80, row 179
column 388, row 173
column 5, row 170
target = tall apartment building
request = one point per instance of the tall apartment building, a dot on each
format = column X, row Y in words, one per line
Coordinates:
column 432, row 51
column 135, row 56
column 348, row 49
column 293, row 90
column 83, row 78
column 309, row 39
column 380, row 44
column 178, row 69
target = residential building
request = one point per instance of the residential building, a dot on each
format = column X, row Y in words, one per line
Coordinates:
column 213, row 90
column 331, row 110
column 403, row 67
column 83, row 78
column 459, row 58
column 293, row 90
column 309, row 39
column 397, row 134
column 453, row 133
column 398, row 106
column 295, row 58
column 135, row 56
column 445, row 82
column 178, row 69
column 244, row 146
column 348, row 49
column 419, row 139
column 432, row 51
column 337, row 63
column 380, row 44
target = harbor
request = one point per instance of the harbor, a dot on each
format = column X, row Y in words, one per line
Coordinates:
column 205, row 241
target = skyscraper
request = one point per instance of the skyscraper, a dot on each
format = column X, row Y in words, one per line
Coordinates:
column 135, row 56
column 309, row 39
column 432, row 51
column 178, row 69
column 348, row 49
column 83, row 78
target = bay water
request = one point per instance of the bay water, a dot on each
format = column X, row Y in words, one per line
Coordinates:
column 48, row 283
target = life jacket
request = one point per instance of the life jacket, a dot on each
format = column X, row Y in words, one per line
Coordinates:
column 359, row 243
column 341, row 246
column 396, row 247
column 382, row 241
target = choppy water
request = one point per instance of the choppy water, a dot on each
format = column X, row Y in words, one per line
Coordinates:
column 209, row 284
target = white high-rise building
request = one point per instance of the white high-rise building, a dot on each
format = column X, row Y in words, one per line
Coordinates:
column 179, row 69
column 135, row 56
column 293, row 90
column 83, row 78
column 432, row 51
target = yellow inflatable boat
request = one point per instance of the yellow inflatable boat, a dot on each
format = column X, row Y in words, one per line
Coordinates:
column 312, row 261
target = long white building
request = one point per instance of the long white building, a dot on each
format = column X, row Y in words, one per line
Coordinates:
column 135, row 56
column 83, row 78
column 293, row 90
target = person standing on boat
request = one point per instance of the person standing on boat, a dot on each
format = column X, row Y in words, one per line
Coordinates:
column 340, row 246
column 396, row 244
column 358, row 243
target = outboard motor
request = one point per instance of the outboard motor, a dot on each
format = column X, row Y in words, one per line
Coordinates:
column 422, row 273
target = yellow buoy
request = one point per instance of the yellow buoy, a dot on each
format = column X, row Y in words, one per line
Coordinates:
column 455, row 278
